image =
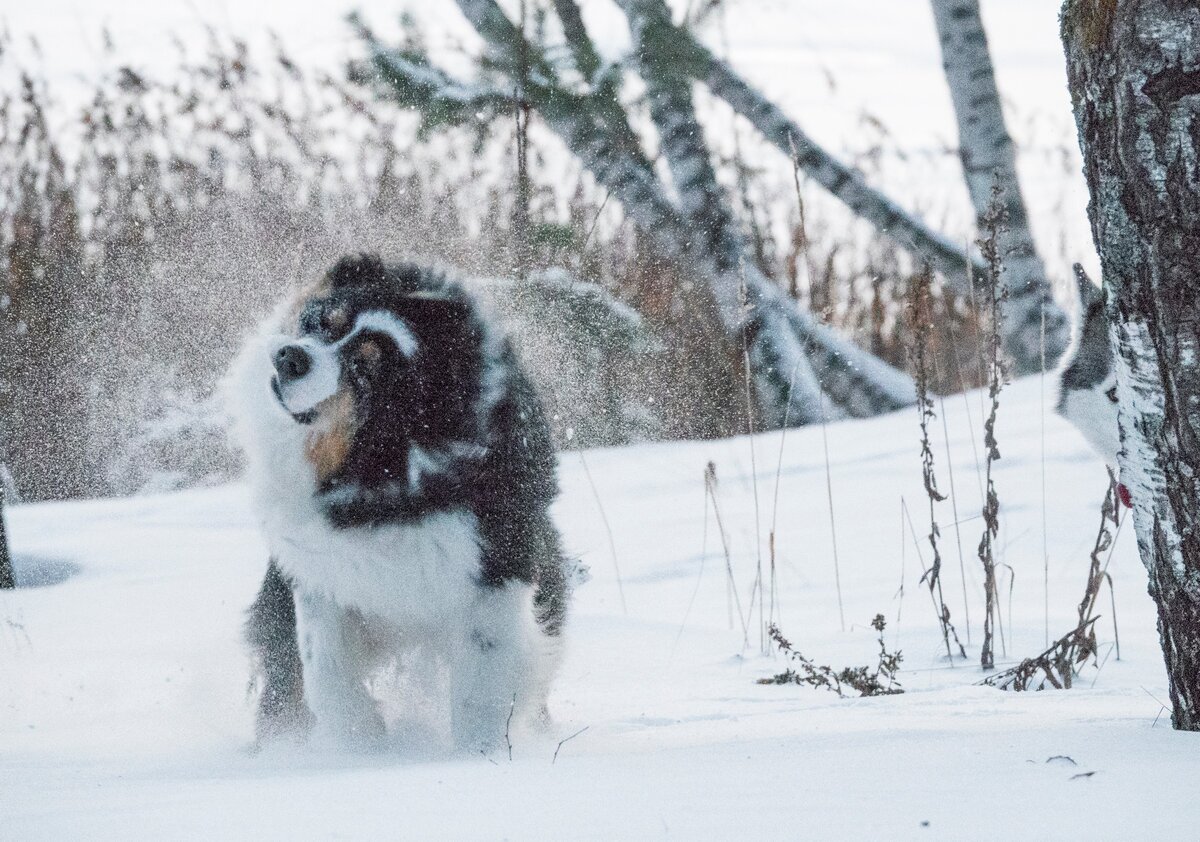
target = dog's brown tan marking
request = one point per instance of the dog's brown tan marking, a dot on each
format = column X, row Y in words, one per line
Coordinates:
column 369, row 353
column 338, row 320
column 328, row 445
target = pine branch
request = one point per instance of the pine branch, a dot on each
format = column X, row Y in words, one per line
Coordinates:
column 410, row 80
column 788, row 345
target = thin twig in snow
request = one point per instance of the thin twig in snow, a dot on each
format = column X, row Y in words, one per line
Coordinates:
column 612, row 543
column 744, row 302
column 1045, row 545
column 508, row 725
column 564, row 741
column 710, row 484
column 837, row 570
column 962, row 564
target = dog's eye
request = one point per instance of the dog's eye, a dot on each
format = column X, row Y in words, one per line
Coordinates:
column 326, row 322
column 1112, row 394
column 366, row 358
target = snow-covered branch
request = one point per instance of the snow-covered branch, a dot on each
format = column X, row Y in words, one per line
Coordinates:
column 856, row 382
column 414, row 83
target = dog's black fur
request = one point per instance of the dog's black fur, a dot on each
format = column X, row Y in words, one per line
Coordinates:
column 463, row 387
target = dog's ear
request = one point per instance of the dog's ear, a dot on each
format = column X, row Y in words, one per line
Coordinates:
column 356, row 270
column 1089, row 293
column 441, row 308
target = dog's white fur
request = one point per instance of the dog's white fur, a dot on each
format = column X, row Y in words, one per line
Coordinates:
column 303, row 394
column 368, row 595
column 1095, row 415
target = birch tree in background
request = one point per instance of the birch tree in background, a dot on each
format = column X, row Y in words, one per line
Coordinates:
column 784, row 342
column 1022, row 338
column 989, row 157
column 1134, row 73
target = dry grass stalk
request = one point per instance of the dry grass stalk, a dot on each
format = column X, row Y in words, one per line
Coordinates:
column 1110, row 516
column 919, row 316
column 995, row 293
column 710, row 489
column 1055, row 667
column 1059, row 663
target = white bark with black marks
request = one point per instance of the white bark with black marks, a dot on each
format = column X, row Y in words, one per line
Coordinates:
column 1134, row 72
column 784, row 338
column 706, row 212
column 988, row 158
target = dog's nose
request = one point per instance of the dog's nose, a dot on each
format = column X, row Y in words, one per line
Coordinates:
column 292, row 362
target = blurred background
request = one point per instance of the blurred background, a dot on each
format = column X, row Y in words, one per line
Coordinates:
column 169, row 169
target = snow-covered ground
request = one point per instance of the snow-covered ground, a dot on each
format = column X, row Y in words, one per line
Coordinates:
column 124, row 713
column 123, row 684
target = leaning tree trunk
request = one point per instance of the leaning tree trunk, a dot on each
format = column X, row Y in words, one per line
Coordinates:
column 7, row 580
column 989, row 158
column 706, row 212
column 784, row 341
column 1134, row 72
column 863, row 200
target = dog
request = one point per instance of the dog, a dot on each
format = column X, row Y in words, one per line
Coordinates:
column 403, row 471
column 1088, row 381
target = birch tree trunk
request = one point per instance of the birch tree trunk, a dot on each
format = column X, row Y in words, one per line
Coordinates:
column 783, row 339
column 844, row 183
column 1134, row 72
column 706, row 212
column 989, row 158
column 7, row 580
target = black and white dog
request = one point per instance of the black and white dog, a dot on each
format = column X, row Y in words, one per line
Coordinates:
column 1088, row 382
column 403, row 471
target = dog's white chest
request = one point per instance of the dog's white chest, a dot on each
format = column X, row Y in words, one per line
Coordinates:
column 421, row 574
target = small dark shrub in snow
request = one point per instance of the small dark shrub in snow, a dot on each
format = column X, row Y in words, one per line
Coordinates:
column 1054, row 667
column 1058, row 665
column 880, row 681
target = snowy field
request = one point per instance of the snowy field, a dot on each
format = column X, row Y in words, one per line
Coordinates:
column 124, row 711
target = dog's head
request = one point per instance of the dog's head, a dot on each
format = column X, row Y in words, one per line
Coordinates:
column 378, row 373
column 1088, row 383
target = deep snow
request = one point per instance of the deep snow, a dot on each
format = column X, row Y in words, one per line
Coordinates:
column 124, row 713
column 123, row 705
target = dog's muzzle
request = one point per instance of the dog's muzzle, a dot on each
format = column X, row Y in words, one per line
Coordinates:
column 292, row 362
column 299, row 417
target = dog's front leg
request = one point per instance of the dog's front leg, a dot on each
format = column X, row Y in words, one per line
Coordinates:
column 335, row 672
column 490, row 669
